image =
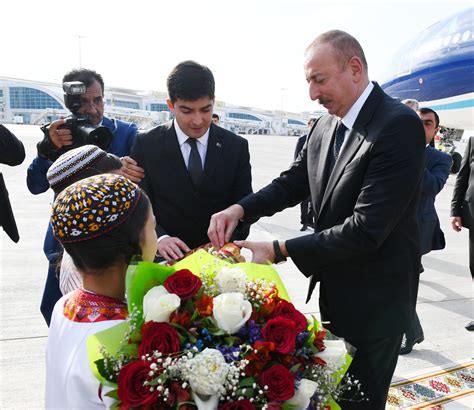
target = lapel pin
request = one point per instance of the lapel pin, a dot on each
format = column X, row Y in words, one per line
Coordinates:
column 218, row 144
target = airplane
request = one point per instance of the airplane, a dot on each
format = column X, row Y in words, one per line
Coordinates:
column 437, row 69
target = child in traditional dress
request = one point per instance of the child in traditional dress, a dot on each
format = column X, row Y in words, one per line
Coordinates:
column 72, row 166
column 102, row 222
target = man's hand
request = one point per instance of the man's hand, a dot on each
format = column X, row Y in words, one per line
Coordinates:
column 172, row 248
column 59, row 137
column 262, row 252
column 223, row 224
column 456, row 223
column 131, row 170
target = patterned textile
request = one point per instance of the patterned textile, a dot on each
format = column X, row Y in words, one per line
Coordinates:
column 92, row 207
column 433, row 389
column 86, row 307
column 73, row 162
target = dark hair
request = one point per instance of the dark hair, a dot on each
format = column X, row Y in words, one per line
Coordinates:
column 426, row 110
column 84, row 76
column 190, row 81
column 344, row 44
column 215, row 115
column 105, row 165
column 117, row 245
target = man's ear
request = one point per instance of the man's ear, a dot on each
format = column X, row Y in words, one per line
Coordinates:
column 170, row 105
column 356, row 66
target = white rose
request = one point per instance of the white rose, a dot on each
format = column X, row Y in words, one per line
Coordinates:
column 158, row 304
column 303, row 395
column 334, row 354
column 231, row 280
column 207, row 372
column 231, row 311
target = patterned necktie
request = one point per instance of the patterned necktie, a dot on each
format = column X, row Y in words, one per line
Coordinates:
column 336, row 148
column 194, row 164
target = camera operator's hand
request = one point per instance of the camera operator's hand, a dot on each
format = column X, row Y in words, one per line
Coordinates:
column 131, row 170
column 59, row 137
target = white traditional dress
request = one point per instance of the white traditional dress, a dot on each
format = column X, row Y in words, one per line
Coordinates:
column 70, row 382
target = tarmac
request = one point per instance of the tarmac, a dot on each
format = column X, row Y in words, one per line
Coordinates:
column 444, row 301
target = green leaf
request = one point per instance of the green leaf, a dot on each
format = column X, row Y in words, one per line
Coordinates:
column 295, row 368
column 113, row 394
column 247, row 382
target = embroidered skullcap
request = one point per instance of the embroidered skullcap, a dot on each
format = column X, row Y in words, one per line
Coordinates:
column 72, row 163
column 93, row 206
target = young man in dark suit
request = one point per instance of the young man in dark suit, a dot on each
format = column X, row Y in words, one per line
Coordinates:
column 365, row 249
column 437, row 168
column 193, row 168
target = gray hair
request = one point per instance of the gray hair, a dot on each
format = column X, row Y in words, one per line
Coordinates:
column 343, row 43
column 412, row 103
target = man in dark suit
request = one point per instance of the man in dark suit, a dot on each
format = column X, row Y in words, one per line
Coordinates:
column 462, row 204
column 307, row 215
column 365, row 249
column 12, row 152
column 437, row 168
column 193, row 168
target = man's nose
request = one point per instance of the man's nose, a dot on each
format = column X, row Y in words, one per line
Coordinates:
column 314, row 92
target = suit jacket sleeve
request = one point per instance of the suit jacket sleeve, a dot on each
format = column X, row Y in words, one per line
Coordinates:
column 285, row 191
column 435, row 178
column 138, row 154
column 242, row 188
column 12, row 151
column 462, row 182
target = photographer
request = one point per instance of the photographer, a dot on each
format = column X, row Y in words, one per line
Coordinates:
column 58, row 139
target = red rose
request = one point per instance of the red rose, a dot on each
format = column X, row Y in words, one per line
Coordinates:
column 287, row 310
column 131, row 391
column 282, row 332
column 280, row 382
column 183, row 283
column 158, row 336
column 238, row 405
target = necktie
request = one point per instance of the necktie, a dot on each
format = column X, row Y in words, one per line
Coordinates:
column 194, row 163
column 336, row 148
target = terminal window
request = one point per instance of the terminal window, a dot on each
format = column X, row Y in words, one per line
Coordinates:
column 31, row 99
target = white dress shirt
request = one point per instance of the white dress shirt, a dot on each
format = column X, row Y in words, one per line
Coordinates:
column 186, row 148
column 351, row 116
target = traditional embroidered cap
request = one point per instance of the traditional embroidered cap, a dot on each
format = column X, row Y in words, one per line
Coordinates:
column 72, row 163
column 93, row 206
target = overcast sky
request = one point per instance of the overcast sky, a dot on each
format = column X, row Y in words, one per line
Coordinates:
column 254, row 47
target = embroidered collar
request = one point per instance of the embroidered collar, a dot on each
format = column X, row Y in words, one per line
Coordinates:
column 87, row 307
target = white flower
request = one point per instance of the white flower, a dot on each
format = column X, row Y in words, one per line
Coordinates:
column 302, row 396
column 158, row 304
column 231, row 280
column 207, row 372
column 334, row 354
column 210, row 403
column 231, row 311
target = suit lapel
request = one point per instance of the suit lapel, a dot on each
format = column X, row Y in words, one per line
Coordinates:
column 326, row 143
column 174, row 155
column 213, row 153
column 352, row 145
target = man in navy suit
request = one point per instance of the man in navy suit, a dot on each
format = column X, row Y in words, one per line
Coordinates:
column 437, row 168
column 193, row 168
column 363, row 167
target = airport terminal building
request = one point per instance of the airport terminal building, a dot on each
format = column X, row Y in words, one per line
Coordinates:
column 35, row 102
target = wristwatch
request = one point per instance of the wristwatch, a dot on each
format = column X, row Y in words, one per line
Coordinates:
column 279, row 258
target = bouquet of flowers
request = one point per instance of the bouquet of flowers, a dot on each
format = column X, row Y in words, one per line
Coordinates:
column 208, row 334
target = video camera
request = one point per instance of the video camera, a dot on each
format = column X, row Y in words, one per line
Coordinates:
column 83, row 132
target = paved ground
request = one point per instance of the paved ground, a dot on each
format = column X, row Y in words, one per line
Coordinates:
column 444, row 303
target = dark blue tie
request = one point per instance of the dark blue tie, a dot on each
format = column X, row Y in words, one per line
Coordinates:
column 194, row 163
column 336, row 148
